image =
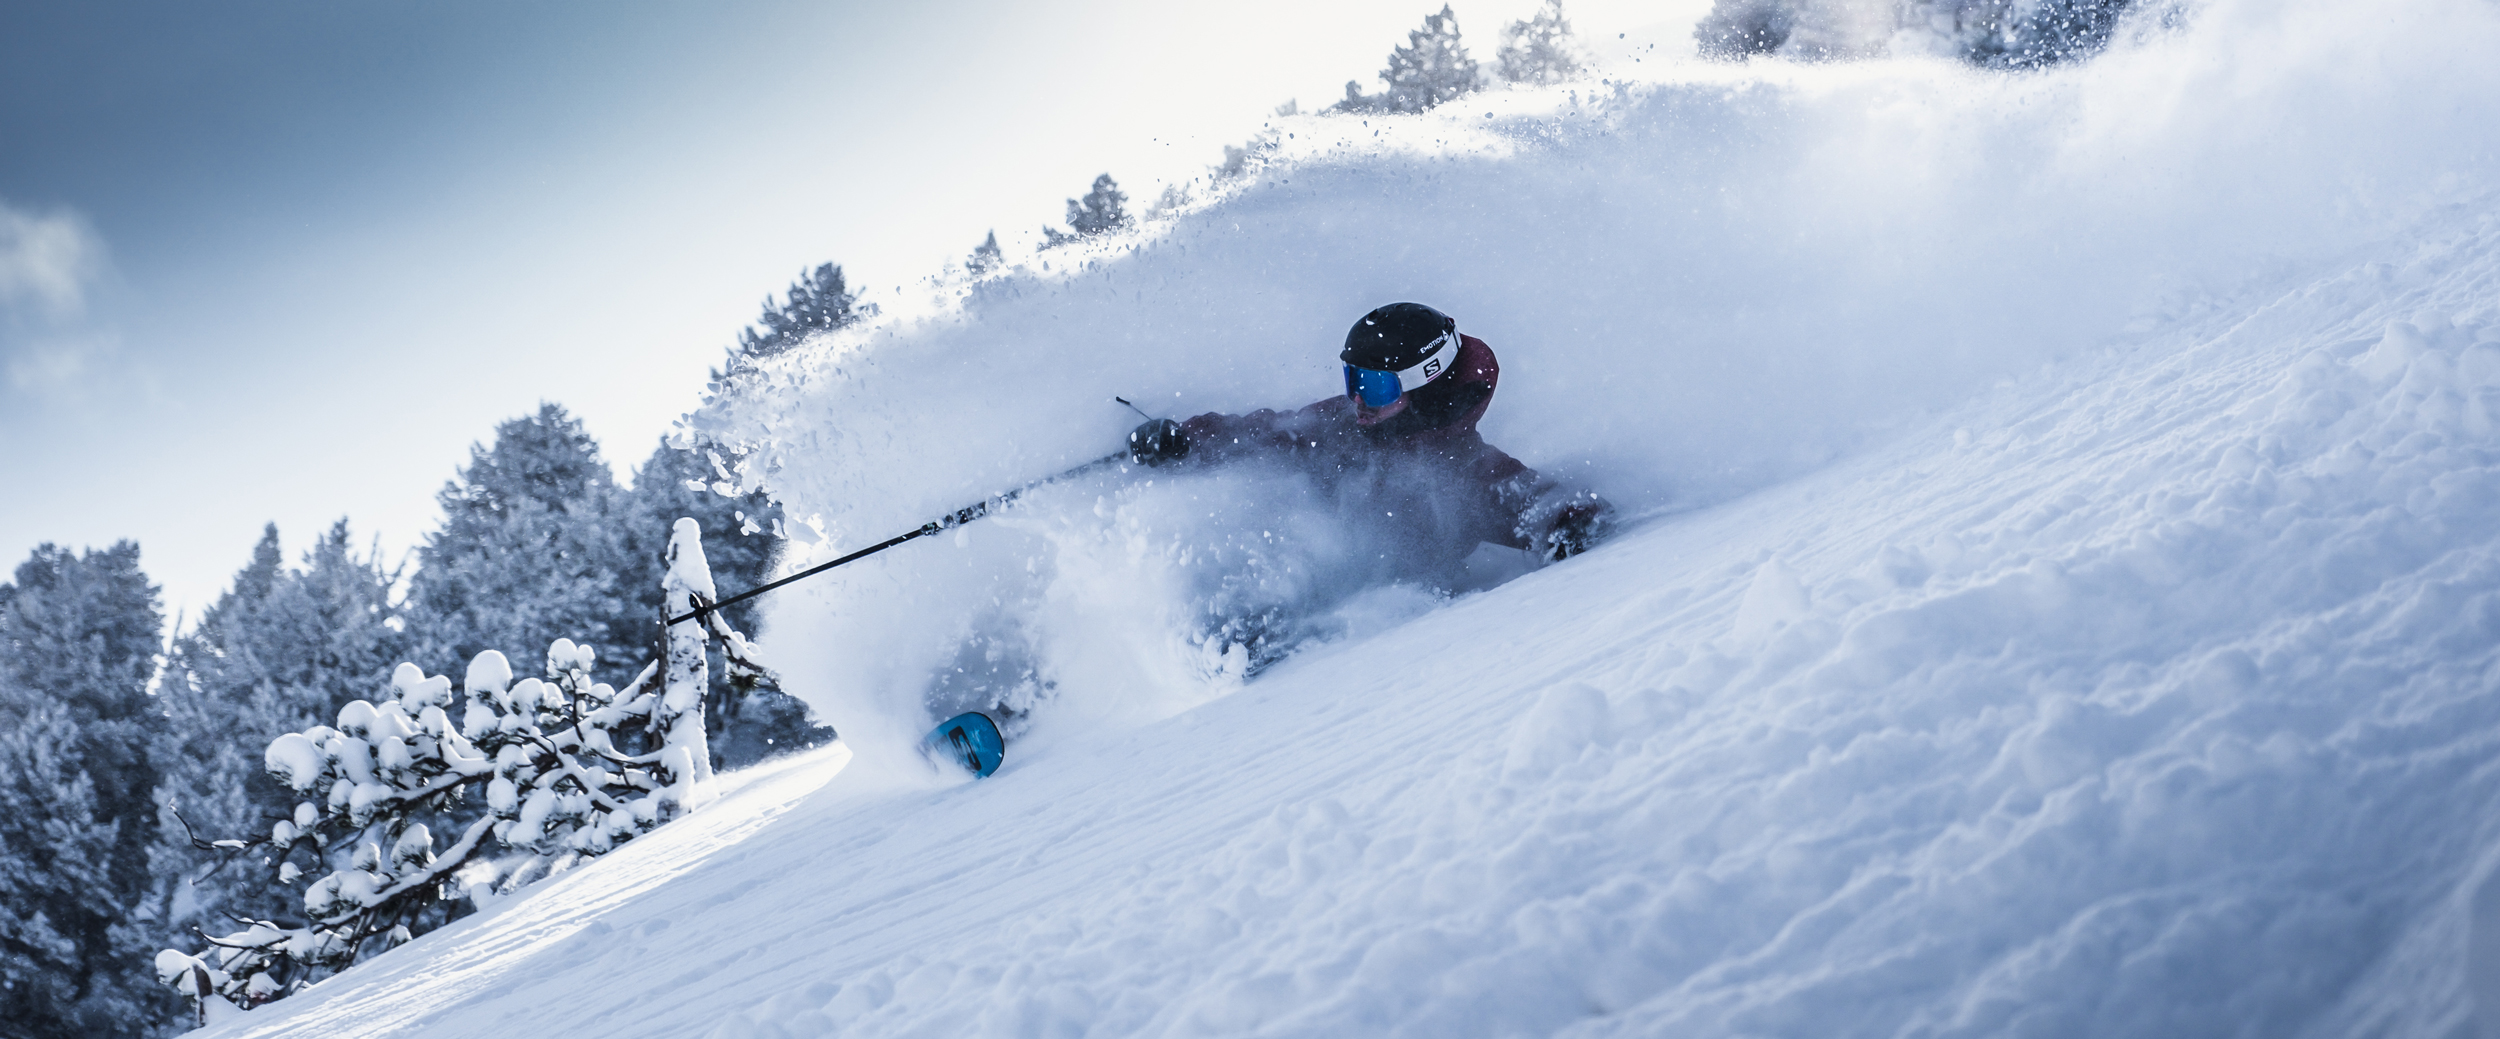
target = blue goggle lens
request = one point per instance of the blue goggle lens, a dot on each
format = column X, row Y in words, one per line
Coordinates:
column 1374, row 389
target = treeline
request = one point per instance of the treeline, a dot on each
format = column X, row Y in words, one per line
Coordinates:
column 1432, row 68
column 125, row 754
column 2001, row 34
column 132, row 759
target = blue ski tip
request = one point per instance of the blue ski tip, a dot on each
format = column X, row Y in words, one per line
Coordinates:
column 970, row 740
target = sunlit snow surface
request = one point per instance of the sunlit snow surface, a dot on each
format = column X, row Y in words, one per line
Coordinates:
column 2069, row 602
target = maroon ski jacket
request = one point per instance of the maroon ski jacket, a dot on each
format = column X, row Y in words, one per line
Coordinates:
column 1426, row 463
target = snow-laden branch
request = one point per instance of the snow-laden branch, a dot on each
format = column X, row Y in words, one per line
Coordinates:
column 546, row 755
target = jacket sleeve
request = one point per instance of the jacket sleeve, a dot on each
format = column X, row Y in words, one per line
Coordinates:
column 1216, row 438
column 1539, row 515
column 1513, row 491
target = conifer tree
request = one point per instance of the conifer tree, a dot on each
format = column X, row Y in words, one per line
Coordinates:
column 672, row 483
column 56, row 855
column 1987, row 33
column 1432, row 68
column 282, row 649
column 539, row 543
column 1541, row 50
column 817, row 302
column 78, row 646
column 2007, row 34
column 1737, row 28
column 986, row 257
column 569, row 769
column 747, row 723
column 531, row 548
column 1103, row 210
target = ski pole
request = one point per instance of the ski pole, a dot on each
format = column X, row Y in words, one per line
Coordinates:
column 957, row 518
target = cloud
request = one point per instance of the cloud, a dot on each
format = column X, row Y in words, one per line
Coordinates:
column 56, row 363
column 47, row 263
column 50, row 263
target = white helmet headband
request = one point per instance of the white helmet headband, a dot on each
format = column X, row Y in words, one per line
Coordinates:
column 1438, row 357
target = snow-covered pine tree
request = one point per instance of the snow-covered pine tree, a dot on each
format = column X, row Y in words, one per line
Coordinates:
column 78, row 646
column 695, row 482
column 531, row 548
column 283, row 649
column 1432, row 68
column 1988, row 33
column 1738, row 28
column 2018, row 33
column 538, row 542
column 1540, row 51
column 56, row 854
column 562, row 764
column 986, row 257
column 747, row 723
column 1103, row 210
column 1239, row 161
column 817, row 302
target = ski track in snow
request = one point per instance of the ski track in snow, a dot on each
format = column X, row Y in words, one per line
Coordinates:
column 2149, row 691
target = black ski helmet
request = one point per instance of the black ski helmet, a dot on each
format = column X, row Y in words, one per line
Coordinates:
column 1396, row 337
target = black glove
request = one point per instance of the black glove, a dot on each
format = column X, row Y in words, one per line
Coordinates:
column 1157, row 441
column 1576, row 528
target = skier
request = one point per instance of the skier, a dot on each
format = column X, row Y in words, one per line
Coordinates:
column 1399, row 453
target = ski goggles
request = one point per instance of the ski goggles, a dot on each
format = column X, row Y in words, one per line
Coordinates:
column 1379, row 389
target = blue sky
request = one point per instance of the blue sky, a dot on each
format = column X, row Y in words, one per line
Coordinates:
column 286, row 261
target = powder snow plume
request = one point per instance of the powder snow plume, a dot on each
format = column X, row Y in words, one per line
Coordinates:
column 1699, row 285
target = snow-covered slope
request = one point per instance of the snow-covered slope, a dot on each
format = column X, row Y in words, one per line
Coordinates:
column 2068, row 601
